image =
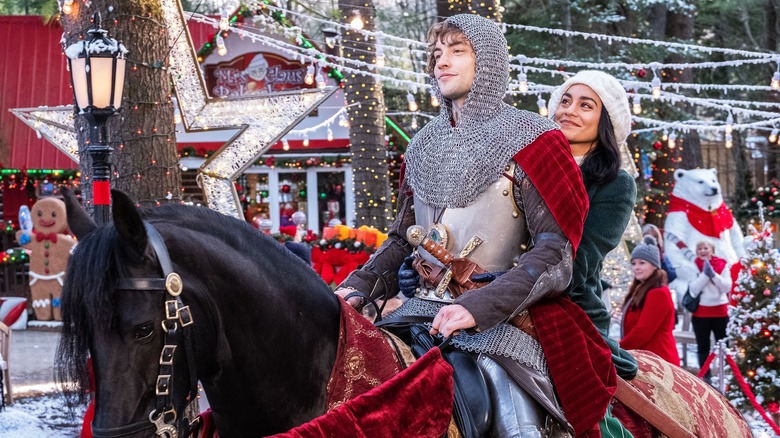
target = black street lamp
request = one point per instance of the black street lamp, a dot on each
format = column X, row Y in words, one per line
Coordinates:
column 97, row 74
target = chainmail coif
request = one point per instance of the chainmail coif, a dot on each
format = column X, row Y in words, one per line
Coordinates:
column 450, row 166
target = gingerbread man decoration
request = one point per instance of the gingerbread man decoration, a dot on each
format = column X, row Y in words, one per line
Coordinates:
column 49, row 251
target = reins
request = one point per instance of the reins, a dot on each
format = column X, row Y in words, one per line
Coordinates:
column 178, row 317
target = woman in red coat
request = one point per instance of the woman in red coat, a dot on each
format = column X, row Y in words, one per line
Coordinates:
column 648, row 310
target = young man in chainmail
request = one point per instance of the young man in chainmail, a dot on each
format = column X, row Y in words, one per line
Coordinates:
column 498, row 190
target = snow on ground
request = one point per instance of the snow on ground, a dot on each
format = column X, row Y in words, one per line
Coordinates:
column 43, row 416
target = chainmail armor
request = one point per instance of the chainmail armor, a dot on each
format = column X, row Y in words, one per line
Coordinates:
column 504, row 339
column 450, row 166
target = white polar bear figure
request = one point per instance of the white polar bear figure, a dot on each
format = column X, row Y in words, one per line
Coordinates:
column 697, row 212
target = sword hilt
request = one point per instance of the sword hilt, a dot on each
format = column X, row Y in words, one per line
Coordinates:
column 417, row 237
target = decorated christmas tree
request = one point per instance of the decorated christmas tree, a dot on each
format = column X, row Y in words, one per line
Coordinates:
column 754, row 324
column 767, row 198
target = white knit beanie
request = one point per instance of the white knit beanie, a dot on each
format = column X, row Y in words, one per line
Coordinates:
column 613, row 97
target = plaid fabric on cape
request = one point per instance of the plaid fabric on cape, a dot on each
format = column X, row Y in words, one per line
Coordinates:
column 579, row 360
column 555, row 174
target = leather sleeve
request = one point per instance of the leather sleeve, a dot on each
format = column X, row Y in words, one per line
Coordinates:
column 544, row 270
column 379, row 276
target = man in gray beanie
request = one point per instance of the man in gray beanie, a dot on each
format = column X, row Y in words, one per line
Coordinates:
column 498, row 190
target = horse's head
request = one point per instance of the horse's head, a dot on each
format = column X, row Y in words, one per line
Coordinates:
column 264, row 331
column 121, row 307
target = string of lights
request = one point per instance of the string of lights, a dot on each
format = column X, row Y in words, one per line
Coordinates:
column 412, row 80
column 698, row 125
column 311, row 55
column 763, row 58
column 630, row 40
column 656, row 86
column 522, row 59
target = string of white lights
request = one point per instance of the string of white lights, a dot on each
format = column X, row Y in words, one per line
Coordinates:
column 410, row 113
column 721, row 104
column 763, row 58
column 379, row 35
column 313, row 55
column 731, row 106
column 630, row 40
column 677, row 86
column 400, row 58
column 325, row 123
column 766, row 57
column 698, row 125
column 698, row 87
column 522, row 59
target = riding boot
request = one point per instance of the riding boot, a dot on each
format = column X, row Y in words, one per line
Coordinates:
column 515, row 412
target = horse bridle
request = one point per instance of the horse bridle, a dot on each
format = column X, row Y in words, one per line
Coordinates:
column 177, row 318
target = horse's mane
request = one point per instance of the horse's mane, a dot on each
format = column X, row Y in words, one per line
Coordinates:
column 88, row 297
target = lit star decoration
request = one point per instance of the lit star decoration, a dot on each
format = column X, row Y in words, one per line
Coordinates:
column 55, row 124
column 261, row 120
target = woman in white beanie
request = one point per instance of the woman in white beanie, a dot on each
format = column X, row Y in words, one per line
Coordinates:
column 593, row 112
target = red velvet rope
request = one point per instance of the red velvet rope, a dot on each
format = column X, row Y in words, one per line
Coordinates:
column 746, row 389
column 706, row 365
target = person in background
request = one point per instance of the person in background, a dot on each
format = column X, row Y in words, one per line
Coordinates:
column 666, row 265
column 712, row 284
column 648, row 310
column 593, row 112
column 480, row 154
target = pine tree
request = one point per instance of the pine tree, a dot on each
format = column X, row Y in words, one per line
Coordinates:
column 754, row 322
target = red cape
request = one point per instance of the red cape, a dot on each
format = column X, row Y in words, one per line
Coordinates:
column 579, row 360
column 552, row 169
column 709, row 223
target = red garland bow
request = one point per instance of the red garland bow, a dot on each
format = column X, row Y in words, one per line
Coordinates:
column 43, row 236
column 335, row 264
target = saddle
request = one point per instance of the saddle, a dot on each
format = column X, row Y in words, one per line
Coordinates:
column 472, row 410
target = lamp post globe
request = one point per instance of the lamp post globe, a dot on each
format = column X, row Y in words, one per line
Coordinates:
column 97, row 74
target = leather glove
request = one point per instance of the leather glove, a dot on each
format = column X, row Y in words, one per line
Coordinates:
column 408, row 278
column 486, row 277
column 707, row 269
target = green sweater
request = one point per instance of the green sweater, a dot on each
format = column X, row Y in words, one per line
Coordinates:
column 611, row 207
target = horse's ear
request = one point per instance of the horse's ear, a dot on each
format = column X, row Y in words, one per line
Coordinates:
column 128, row 221
column 79, row 222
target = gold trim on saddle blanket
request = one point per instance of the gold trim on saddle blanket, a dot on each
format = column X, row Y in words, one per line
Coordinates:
column 364, row 358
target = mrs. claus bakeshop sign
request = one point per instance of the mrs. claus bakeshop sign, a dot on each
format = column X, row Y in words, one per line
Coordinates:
column 255, row 73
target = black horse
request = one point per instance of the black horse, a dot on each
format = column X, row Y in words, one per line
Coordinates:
column 264, row 339
column 249, row 297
